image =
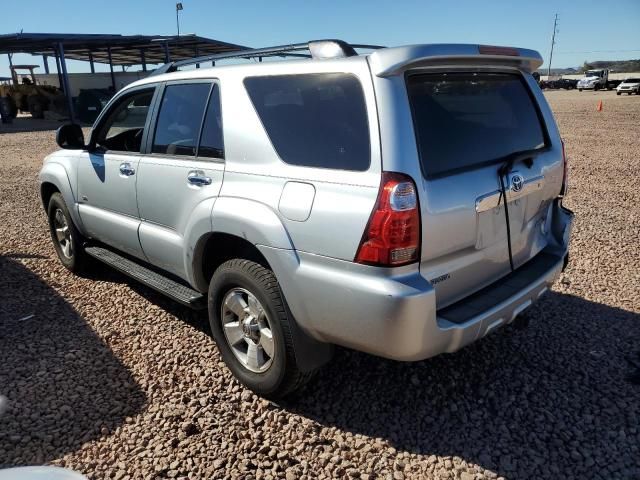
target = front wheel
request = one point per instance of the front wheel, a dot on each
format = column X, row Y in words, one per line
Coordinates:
column 252, row 328
column 579, row 89
column 67, row 241
column 617, row 93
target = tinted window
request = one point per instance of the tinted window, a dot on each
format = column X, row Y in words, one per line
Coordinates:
column 211, row 143
column 180, row 118
column 466, row 119
column 316, row 120
column 124, row 125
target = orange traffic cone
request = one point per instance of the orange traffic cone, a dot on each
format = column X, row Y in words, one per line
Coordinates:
column 599, row 107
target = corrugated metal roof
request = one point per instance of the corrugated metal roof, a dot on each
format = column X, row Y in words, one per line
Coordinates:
column 125, row 49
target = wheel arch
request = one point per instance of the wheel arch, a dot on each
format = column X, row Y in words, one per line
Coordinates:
column 54, row 178
column 215, row 248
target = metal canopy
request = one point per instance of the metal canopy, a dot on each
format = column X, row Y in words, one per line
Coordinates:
column 125, row 49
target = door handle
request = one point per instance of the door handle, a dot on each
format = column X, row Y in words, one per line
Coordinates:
column 126, row 169
column 198, row 177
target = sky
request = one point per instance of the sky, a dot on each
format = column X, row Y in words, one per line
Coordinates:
column 587, row 30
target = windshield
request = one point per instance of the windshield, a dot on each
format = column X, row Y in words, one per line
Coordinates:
column 465, row 120
column 632, row 80
column 596, row 73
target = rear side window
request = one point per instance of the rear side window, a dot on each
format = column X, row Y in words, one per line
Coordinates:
column 465, row 120
column 211, row 143
column 314, row 120
column 180, row 117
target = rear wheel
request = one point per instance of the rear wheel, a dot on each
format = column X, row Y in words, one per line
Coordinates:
column 67, row 241
column 251, row 326
column 617, row 93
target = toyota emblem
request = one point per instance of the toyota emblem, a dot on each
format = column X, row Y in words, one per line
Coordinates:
column 516, row 183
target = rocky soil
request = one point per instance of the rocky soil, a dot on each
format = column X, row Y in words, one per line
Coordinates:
column 108, row 378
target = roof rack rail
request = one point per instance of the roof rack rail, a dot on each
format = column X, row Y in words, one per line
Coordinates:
column 318, row 49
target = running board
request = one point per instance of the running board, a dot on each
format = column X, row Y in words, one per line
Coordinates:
column 172, row 289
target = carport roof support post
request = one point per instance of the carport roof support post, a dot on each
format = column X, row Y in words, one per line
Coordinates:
column 65, row 80
column 143, row 60
column 113, row 77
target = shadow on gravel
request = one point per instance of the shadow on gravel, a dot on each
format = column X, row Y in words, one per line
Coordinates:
column 28, row 124
column 548, row 401
column 63, row 385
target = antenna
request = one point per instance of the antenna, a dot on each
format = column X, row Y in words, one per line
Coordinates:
column 553, row 42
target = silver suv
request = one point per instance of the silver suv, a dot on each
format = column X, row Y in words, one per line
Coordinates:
column 403, row 201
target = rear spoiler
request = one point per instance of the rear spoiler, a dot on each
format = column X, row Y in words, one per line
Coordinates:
column 390, row 61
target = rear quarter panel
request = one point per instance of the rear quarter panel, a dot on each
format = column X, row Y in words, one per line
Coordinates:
column 343, row 200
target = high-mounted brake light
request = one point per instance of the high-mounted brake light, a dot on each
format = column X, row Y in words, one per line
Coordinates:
column 565, row 172
column 493, row 50
column 392, row 236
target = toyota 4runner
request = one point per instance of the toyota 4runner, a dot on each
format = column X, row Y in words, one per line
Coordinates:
column 399, row 201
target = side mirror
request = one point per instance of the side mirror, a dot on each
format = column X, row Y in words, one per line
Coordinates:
column 70, row 137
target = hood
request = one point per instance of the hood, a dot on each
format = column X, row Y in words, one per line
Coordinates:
column 589, row 79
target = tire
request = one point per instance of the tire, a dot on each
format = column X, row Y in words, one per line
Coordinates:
column 579, row 89
column 617, row 93
column 36, row 106
column 230, row 287
column 67, row 244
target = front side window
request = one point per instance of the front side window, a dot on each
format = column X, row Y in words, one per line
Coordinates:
column 124, row 125
column 314, row 120
column 180, row 118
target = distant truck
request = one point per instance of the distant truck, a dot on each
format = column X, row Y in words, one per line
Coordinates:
column 597, row 80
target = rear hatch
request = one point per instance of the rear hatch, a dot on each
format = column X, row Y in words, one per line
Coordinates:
column 469, row 123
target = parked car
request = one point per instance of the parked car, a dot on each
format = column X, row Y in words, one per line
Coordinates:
column 564, row 83
column 629, row 86
column 403, row 202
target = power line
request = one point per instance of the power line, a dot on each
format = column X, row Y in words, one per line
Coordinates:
column 600, row 51
column 553, row 42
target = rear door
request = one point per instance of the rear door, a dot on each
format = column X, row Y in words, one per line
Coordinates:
column 468, row 124
column 181, row 171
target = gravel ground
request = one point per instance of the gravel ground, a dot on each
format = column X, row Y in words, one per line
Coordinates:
column 108, row 378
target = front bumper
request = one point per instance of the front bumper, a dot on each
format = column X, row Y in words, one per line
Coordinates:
column 392, row 312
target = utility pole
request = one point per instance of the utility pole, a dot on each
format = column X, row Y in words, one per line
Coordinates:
column 178, row 8
column 553, row 42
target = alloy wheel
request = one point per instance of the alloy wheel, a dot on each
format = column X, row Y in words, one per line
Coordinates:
column 247, row 329
column 63, row 233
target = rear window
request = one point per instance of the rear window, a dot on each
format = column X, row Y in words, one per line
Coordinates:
column 314, row 120
column 466, row 120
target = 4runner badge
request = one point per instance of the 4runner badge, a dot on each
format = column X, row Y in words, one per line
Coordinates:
column 441, row 278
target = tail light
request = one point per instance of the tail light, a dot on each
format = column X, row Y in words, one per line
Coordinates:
column 392, row 236
column 565, row 173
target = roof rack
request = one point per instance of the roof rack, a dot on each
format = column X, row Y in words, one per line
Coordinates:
column 318, row 49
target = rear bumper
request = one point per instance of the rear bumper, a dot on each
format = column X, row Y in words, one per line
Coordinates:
column 392, row 312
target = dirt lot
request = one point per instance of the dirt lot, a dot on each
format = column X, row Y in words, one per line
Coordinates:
column 108, row 378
